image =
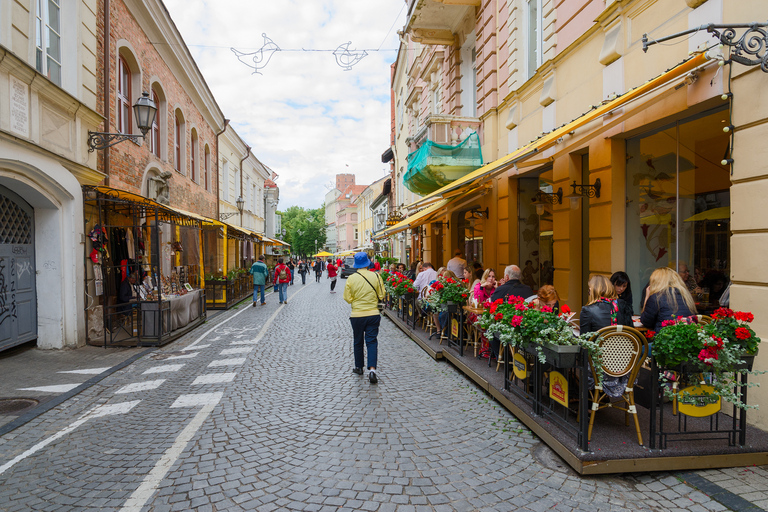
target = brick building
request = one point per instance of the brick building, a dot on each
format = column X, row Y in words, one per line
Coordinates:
column 147, row 54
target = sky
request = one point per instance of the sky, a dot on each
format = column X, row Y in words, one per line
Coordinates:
column 304, row 116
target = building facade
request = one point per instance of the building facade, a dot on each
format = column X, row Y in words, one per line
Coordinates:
column 598, row 156
column 48, row 103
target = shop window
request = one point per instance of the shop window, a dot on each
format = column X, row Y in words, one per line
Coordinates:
column 123, row 96
column 678, row 206
column 535, row 231
column 470, row 231
column 48, row 39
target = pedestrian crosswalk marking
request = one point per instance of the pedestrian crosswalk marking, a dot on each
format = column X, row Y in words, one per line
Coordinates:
column 236, row 350
column 59, row 388
column 214, row 378
column 226, row 362
column 244, row 342
column 197, row 347
column 197, row 400
column 102, row 410
column 140, row 386
column 183, row 356
column 86, row 371
column 164, row 368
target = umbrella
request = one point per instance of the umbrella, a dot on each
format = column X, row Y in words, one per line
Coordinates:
column 722, row 213
column 322, row 254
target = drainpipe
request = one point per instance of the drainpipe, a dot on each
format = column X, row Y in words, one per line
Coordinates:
column 107, row 101
column 247, row 154
column 226, row 123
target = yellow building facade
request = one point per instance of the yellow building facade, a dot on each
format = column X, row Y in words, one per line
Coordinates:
column 663, row 146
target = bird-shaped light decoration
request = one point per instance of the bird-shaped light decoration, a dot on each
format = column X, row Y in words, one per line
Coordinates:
column 347, row 58
column 260, row 57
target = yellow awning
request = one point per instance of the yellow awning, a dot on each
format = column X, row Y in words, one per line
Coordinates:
column 412, row 220
column 322, row 254
column 721, row 213
column 502, row 164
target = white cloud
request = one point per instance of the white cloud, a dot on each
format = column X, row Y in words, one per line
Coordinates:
column 304, row 116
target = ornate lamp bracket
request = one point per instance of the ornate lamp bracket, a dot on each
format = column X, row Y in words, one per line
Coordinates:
column 102, row 140
column 749, row 49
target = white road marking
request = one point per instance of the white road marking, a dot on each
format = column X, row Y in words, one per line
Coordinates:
column 243, row 342
column 214, row 378
column 237, row 350
column 148, row 487
column 196, row 400
column 87, row 371
column 198, row 347
column 194, row 345
column 183, row 356
column 140, row 386
column 164, row 368
column 60, row 388
column 226, row 362
column 103, row 410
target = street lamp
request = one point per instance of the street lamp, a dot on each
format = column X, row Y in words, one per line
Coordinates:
column 144, row 110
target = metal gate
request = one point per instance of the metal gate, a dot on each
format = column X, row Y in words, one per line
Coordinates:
column 18, row 299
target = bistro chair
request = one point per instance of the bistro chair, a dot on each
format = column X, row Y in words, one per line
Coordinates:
column 428, row 318
column 623, row 348
column 704, row 319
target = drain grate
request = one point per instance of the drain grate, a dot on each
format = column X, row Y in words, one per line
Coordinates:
column 16, row 405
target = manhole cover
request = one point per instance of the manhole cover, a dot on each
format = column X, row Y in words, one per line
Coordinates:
column 16, row 405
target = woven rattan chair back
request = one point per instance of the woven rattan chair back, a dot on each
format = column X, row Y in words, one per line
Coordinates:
column 622, row 347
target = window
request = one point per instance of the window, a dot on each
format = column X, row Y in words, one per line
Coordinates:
column 246, row 197
column 225, row 178
column 533, row 39
column 177, row 145
column 154, row 138
column 678, row 206
column 468, row 80
column 193, row 156
column 436, row 99
column 48, row 39
column 355, row 233
column 206, row 166
column 254, row 200
column 123, row 96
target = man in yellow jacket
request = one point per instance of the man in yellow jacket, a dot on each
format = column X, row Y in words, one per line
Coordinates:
column 364, row 290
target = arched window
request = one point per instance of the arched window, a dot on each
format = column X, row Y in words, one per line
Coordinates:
column 154, row 139
column 180, row 150
column 193, row 155
column 123, row 97
column 177, row 142
column 206, row 166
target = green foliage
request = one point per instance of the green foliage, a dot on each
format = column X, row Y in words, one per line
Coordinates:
column 303, row 227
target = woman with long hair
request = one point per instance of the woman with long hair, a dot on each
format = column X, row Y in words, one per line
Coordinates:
column 668, row 298
column 604, row 307
column 547, row 296
column 483, row 290
column 620, row 281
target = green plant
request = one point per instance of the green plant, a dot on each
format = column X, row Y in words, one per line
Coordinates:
column 734, row 326
column 449, row 290
column 398, row 285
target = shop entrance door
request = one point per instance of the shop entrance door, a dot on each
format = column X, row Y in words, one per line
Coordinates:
column 18, row 299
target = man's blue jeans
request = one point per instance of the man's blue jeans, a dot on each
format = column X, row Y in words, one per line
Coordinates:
column 256, row 289
column 365, row 329
column 283, row 291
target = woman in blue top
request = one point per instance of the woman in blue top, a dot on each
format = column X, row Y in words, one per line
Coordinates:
column 667, row 299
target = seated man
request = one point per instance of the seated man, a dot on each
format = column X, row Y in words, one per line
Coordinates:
column 426, row 276
column 127, row 293
column 513, row 286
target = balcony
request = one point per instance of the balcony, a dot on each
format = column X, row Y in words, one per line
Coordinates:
column 446, row 149
column 434, row 22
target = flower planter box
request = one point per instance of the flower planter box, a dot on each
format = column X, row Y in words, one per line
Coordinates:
column 453, row 307
column 559, row 356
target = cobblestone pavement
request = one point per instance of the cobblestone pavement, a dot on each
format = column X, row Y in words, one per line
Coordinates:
column 258, row 410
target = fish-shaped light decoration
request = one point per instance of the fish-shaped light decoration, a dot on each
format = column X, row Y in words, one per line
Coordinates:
column 260, row 58
column 347, row 58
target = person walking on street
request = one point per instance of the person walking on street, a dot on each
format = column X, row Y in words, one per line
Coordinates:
column 292, row 268
column 332, row 273
column 318, row 269
column 282, row 278
column 364, row 290
column 259, row 272
column 303, row 271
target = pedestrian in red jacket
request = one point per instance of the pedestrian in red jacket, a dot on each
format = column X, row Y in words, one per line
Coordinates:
column 332, row 272
column 282, row 278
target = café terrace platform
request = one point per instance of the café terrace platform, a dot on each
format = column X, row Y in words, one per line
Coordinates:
column 716, row 441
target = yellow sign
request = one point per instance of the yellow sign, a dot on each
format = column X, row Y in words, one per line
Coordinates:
column 698, row 401
column 520, row 366
column 454, row 328
column 410, row 310
column 558, row 388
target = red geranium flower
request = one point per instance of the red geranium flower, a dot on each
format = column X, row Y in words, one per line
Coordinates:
column 743, row 333
column 565, row 309
column 498, row 316
column 516, row 320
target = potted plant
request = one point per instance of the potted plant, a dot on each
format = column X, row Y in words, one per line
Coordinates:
column 713, row 353
column 398, row 285
column 450, row 292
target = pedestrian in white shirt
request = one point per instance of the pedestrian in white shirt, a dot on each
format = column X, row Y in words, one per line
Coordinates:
column 426, row 276
column 457, row 264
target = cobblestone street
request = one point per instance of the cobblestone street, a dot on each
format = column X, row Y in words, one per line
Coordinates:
column 258, row 410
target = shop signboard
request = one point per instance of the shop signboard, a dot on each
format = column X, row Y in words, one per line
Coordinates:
column 558, row 388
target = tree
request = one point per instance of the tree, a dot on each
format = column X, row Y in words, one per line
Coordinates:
column 303, row 227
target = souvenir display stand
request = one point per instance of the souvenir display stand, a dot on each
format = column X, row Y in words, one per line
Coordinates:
column 143, row 269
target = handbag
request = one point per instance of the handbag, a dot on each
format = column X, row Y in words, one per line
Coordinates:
column 380, row 304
